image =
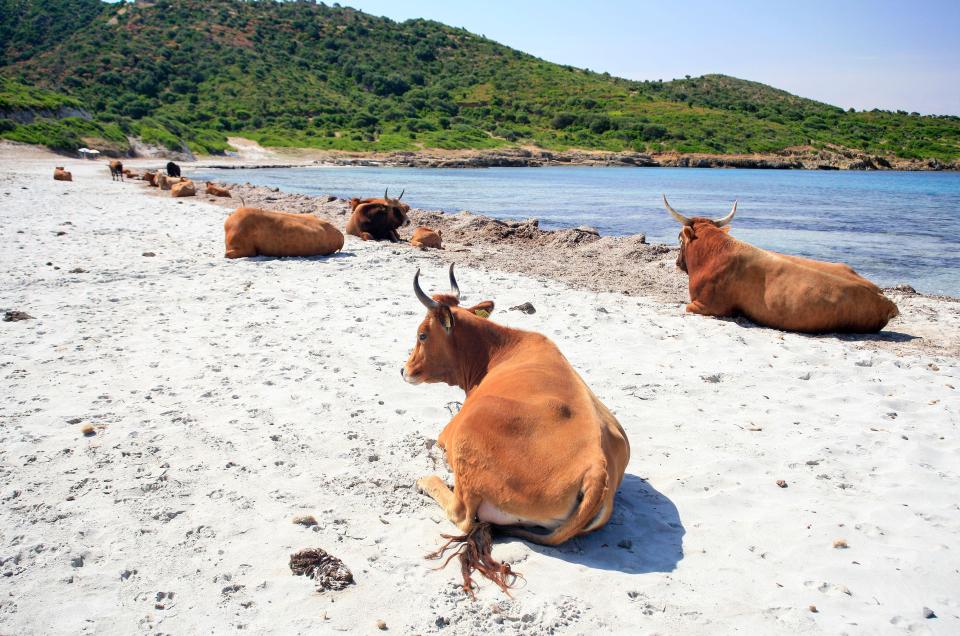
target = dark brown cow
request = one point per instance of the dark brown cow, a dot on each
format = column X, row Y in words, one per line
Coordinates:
column 256, row 232
column 116, row 170
column 378, row 219
column 533, row 451
column 424, row 237
column 729, row 277
column 59, row 174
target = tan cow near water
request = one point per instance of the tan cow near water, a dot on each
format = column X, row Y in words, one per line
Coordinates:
column 729, row 277
column 257, row 232
column 217, row 191
column 166, row 182
column 183, row 188
column 424, row 237
column 533, row 451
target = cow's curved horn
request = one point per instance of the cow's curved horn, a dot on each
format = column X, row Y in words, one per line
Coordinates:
column 401, row 194
column 427, row 302
column 386, row 193
column 454, row 288
column 725, row 220
column 676, row 215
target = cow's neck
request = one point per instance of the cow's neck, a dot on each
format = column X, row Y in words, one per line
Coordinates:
column 710, row 244
column 481, row 345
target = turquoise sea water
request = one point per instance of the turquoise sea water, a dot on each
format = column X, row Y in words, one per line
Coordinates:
column 893, row 227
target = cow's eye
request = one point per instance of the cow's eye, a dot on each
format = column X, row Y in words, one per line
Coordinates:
column 423, row 337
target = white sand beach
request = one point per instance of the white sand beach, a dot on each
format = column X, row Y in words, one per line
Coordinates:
column 228, row 397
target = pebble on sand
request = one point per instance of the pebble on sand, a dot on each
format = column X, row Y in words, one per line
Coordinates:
column 781, row 483
column 305, row 520
column 381, row 625
column 88, row 430
column 16, row 316
column 840, row 544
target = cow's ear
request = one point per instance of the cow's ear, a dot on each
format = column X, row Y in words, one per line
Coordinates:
column 688, row 233
column 445, row 316
column 483, row 309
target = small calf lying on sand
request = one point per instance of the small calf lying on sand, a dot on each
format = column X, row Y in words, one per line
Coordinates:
column 116, row 170
column 531, row 448
column 424, row 237
column 378, row 219
column 216, row 190
column 59, row 174
column 184, row 188
column 151, row 178
column 730, row 277
column 257, row 232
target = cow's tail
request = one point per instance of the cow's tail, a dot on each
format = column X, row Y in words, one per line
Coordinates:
column 588, row 515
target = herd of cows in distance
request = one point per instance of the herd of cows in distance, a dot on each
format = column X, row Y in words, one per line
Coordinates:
column 560, row 453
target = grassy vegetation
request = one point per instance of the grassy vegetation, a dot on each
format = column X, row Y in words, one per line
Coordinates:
column 300, row 74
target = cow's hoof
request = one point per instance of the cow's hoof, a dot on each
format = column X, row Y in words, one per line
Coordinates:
column 421, row 485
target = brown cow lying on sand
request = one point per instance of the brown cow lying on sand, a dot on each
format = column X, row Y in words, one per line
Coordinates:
column 151, row 178
column 184, row 188
column 378, row 219
column 116, row 170
column 59, row 174
column 217, row 191
column 533, row 451
column 730, row 277
column 165, row 182
column 424, row 237
column 256, row 232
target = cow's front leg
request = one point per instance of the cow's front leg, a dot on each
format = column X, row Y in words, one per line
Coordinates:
column 457, row 511
column 697, row 308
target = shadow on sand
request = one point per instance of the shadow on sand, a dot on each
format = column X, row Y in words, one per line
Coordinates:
column 881, row 336
column 644, row 534
column 258, row 259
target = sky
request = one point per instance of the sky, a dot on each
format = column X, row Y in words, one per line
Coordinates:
column 850, row 53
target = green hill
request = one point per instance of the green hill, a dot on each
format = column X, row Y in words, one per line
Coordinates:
column 309, row 75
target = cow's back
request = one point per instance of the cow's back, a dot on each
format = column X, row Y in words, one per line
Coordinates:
column 537, row 417
column 253, row 231
column 795, row 295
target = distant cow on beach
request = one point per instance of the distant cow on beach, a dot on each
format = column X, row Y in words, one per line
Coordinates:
column 116, row 170
column 59, row 174
column 729, row 277
column 378, row 219
column 424, row 237
column 173, row 169
column 183, row 188
column 257, row 232
column 217, row 191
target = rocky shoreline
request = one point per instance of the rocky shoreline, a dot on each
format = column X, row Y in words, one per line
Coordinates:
column 799, row 158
